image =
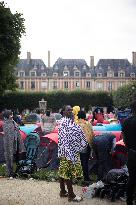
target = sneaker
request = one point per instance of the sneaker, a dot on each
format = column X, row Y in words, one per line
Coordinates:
column 75, row 199
column 11, row 178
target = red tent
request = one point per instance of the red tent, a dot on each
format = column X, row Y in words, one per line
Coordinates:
column 52, row 136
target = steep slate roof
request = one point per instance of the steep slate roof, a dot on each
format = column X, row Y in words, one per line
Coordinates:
column 30, row 65
column 71, row 65
column 115, row 65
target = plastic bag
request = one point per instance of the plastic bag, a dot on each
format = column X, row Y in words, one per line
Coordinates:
column 89, row 192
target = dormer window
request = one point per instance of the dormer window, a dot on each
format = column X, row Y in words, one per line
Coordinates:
column 32, row 73
column 56, row 67
column 110, row 74
column 65, row 73
column 121, row 74
column 42, row 67
column 77, row 73
column 75, row 67
column 84, row 67
column 132, row 75
column 65, row 68
column 43, row 74
column 109, row 67
column 88, row 74
column 35, row 66
column 55, row 75
column 99, row 75
column 21, row 73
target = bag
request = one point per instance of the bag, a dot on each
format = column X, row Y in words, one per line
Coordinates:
column 89, row 192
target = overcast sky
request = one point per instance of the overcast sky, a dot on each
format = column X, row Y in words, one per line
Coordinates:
column 77, row 28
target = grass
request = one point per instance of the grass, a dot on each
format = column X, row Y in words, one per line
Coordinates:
column 47, row 175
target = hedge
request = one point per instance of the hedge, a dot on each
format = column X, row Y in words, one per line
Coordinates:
column 55, row 100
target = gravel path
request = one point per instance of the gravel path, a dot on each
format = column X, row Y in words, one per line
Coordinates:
column 33, row 192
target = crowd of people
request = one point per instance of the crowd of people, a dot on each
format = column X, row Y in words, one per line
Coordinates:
column 76, row 143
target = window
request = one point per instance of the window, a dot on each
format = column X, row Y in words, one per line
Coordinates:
column 21, row 85
column 84, row 67
column 21, row 73
column 99, row 75
column 65, row 84
column 55, row 74
column 65, row 73
column 110, row 74
column 99, row 85
column 43, row 74
column 121, row 83
column 132, row 75
column 109, row 86
column 121, row 74
column 56, row 67
column 88, row 74
column 43, row 84
column 35, row 66
column 88, row 84
column 77, row 74
column 32, row 85
column 32, row 73
column 42, row 67
column 77, row 84
column 54, row 85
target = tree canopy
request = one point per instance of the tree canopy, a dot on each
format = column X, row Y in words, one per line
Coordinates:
column 125, row 95
column 11, row 30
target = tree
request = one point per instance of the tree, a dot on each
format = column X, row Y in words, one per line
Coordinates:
column 124, row 96
column 11, row 30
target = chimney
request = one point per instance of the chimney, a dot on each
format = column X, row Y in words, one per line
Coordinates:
column 28, row 56
column 48, row 59
column 134, row 58
column 91, row 61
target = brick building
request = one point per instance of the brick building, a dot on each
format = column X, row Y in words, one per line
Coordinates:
column 72, row 74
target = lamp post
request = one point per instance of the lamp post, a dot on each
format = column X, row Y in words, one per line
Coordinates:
column 42, row 105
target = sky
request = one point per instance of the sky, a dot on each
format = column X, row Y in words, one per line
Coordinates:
column 77, row 29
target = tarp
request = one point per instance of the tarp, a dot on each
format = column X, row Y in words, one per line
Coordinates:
column 47, row 155
column 118, row 134
column 107, row 127
column 28, row 128
column 52, row 136
column 23, row 135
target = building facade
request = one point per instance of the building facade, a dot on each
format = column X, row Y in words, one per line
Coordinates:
column 73, row 74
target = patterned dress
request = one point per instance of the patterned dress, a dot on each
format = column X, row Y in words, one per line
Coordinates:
column 71, row 141
column 12, row 143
